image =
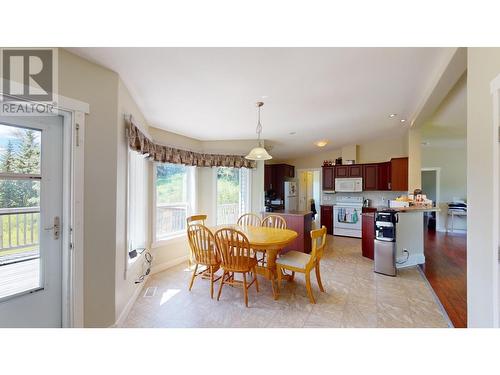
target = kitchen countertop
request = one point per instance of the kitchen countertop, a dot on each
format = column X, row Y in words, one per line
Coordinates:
column 289, row 212
column 410, row 209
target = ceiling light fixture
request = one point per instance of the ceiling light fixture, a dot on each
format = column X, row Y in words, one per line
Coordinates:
column 392, row 115
column 259, row 152
column 321, row 143
column 403, row 120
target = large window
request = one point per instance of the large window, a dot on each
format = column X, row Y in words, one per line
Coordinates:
column 137, row 200
column 233, row 194
column 174, row 197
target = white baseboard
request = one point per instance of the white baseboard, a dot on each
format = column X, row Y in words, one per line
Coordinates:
column 130, row 303
column 413, row 260
column 171, row 263
column 155, row 269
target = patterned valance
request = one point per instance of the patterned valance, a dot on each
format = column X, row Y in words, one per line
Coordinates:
column 139, row 142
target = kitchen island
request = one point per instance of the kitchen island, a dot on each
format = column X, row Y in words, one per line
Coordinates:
column 410, row 235
column 299, row 221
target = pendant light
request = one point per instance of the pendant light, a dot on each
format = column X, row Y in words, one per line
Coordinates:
column 259, row 152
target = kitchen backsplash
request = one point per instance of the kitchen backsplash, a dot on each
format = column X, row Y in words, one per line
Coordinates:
column 377, row 198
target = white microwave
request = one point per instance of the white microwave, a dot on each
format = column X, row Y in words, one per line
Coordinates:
column 348, row 185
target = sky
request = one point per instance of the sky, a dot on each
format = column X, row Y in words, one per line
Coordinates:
column 13, row 134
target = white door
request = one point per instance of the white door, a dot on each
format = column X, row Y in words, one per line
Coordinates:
column 31, row 195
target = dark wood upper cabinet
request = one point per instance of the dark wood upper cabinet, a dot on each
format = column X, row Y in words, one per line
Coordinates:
column 341, row 171
column 268, row 176
column 399, row 174
column 370, row 176
column 355, row 170
column 275, row 176
column 328, row 178
column 384, row 176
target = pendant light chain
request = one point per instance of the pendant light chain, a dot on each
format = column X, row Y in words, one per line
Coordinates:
column 259, row 126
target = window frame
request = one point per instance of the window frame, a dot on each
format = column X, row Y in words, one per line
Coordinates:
column 130, row 261
column 190, row 205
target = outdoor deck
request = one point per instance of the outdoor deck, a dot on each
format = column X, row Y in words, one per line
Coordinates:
column 19, row 277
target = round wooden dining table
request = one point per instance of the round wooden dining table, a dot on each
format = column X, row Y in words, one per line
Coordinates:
column 268, row 240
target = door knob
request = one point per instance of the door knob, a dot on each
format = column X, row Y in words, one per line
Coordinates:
column 56, row 228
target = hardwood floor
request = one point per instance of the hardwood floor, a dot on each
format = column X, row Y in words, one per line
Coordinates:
column 446, row 269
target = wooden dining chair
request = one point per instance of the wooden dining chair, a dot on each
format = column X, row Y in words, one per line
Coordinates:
column 196, row 219
column 236, row 257
column 249, row 219
column 274, row 221
column 204, row 251
column 296, row 261
column 271, row 221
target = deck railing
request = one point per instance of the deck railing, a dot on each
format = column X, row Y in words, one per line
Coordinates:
column 19, row 230
column 170, row 218
column 228, row 213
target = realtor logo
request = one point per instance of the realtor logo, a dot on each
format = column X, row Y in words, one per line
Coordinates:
column 29, row 80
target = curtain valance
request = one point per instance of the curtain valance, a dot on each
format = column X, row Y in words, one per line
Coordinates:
column 139, row 142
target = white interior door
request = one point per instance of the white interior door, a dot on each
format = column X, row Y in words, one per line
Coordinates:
column 31, row 203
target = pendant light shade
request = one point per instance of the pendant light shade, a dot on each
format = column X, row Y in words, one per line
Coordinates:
column 259, row 152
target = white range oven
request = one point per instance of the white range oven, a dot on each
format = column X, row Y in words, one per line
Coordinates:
column 347, row 216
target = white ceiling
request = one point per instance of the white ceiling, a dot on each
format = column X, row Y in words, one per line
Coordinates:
column 341, row 94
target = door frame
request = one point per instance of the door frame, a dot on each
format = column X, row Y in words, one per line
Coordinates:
column 73, row 113
column 438, row 190
column 318, row 204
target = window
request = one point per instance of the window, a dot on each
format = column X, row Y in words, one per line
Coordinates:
column 137, row 200
column 174, row 199
column 233, row 194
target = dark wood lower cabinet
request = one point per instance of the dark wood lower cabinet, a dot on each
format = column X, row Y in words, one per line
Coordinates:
column 301, row 222
column 327, row 218
column 368, row 232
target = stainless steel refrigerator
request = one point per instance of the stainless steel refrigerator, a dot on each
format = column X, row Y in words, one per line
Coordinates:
column 291, row 196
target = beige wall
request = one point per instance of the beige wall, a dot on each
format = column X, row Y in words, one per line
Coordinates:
column 414, row 161
column 125, row 275
column 382, row 149
column 482, row 259
column 452, row 162
column 82, row 80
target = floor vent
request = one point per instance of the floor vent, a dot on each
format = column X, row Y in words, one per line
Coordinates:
column 150, row 291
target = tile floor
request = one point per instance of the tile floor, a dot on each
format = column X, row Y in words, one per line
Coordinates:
column 355, row 297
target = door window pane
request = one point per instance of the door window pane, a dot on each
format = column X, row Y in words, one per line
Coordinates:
column 20, row 182
column 19, row 150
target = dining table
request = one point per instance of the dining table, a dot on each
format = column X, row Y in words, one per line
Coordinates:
column 270, row 241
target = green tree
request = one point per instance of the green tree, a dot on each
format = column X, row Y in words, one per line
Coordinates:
column 27, row 161
column 9, row 192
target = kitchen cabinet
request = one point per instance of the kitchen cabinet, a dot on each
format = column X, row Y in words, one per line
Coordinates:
column 343, row 171
column 355, row 170
column 300, row 222
column 275, row 176
column 267, row 177
column 370, row 176
column 368, row 232
column 399, row 174
column 327, row 218
column 328, row 178
column 384, row 176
